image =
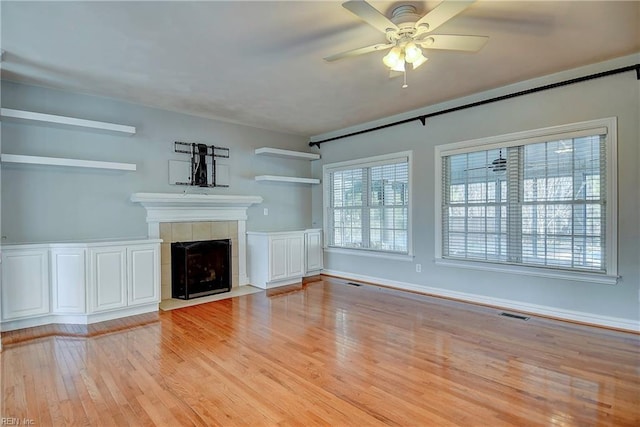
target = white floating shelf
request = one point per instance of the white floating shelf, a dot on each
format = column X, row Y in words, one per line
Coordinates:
column 8, row 113
column 279, row 178
column 57, row 161
column 289, row 154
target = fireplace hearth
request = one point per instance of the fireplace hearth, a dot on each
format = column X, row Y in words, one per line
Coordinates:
column 200, row 268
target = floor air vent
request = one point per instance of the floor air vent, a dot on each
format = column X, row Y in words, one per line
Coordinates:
column 353, row 284
column 515, row 316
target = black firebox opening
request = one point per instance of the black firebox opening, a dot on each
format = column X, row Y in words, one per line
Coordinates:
column 200, row 268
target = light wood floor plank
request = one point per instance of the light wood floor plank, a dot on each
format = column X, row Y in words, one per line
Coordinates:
column 320, row 354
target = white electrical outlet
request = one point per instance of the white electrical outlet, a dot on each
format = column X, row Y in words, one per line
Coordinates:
column 418, row 268
column 266, row 211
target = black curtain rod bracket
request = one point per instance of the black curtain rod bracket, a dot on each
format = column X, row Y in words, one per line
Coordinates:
column 423, row 118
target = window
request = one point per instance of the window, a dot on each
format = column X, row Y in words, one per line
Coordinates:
column 543, row 198
column 367, row 204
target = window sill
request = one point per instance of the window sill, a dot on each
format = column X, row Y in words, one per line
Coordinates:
column 531, row 271
column 373, row 254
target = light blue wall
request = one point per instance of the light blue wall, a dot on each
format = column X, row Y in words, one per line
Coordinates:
column 617, row 96
column 44, row 203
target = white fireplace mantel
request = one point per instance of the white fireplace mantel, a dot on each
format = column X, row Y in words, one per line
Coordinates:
column 181, row 207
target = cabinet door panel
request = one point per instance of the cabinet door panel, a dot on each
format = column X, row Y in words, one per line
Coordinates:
column 278, row 261
column 68, row 280
column 25, row 283
column 143, row 275
column 108, row 279
column 314, row 251
column 296, row 256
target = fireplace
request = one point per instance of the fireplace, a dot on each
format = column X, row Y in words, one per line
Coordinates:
column 182, row 217
column 200, row 268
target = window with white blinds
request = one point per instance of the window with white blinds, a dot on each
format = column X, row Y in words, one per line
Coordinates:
column 539, row 200
column 367, row 204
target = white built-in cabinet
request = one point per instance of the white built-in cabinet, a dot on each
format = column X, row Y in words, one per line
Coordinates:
column 141, row 286
column 286, row 260
column 108, row 278
column 313, row 251
column 25, row 282
column 282, row 258
column 78, row 282
column 68, row 280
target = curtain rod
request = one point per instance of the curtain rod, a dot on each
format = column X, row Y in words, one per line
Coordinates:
column 423, row 118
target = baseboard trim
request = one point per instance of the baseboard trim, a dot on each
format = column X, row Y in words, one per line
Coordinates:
column 626, row 325
column 278, row 283
column 125, row 312
column 76, row 319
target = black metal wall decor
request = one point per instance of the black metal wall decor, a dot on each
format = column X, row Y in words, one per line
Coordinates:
column 199, row 155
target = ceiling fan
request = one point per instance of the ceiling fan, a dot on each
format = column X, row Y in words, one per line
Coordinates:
column 497, row 165
column 407, row 33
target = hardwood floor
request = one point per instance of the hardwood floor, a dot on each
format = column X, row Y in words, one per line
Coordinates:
column 78, row 331
column 328, row 354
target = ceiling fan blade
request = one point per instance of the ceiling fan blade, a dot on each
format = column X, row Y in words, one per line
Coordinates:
column 370, row 15
column 395, row 74
column 359, row 51
column 442, row 13
column 451, row 42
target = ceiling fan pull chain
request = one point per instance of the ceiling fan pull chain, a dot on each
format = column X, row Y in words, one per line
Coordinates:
column 404, row 86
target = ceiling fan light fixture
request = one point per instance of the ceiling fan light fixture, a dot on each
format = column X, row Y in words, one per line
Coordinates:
column 412, row 52
column 418, row 62
column 392, row 58
column 399, row 65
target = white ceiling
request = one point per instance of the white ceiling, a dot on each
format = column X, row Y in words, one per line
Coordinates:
column 260, row 63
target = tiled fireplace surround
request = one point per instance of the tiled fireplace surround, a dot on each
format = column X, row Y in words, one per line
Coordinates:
column 192, row 232
column 180, row 217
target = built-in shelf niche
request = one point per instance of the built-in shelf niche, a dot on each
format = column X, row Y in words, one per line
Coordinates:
column 58, row 161
column 21, row 115
column 286, row 154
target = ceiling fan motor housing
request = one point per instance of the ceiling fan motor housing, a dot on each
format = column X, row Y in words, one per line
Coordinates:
column 405, row 17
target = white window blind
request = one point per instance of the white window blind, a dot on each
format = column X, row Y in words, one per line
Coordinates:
column 368, row 205
column 541, row 203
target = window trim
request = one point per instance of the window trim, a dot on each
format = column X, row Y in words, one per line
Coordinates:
column 368, row 162
column 531, row 137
